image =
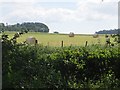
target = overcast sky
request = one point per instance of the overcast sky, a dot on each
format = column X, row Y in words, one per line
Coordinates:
column 64, row 16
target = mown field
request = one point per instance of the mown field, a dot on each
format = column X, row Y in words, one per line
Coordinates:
column 56, row 39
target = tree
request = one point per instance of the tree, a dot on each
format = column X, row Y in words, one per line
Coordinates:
column 29, row 26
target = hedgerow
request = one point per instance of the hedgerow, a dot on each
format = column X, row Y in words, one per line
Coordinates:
column 28, row 66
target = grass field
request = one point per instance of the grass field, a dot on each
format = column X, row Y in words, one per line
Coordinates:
column 56, row 39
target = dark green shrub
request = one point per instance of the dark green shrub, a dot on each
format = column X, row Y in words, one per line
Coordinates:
column 26, row 66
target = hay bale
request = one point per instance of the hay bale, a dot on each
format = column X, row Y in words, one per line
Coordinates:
column 95, row 36
column 31, row 40
column 71, row 34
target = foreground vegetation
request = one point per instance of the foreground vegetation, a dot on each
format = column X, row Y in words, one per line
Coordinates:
column 39, row 66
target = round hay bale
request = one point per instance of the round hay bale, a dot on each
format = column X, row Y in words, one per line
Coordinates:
column 71, row 34
column 31, row 40
column 95, row 36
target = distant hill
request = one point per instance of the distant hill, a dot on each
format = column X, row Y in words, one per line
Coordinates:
column 29, row 26
column 114, row 31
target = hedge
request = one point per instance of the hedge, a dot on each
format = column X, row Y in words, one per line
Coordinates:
column 27, row 66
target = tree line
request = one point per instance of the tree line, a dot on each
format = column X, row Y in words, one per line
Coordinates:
column 111, row 31
column 26, row 26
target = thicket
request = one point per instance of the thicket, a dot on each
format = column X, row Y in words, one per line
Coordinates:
column 25, row 66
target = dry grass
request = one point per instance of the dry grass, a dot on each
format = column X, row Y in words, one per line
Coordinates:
column 56, row 39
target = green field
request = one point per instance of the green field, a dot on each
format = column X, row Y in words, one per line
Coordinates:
column 56, row 39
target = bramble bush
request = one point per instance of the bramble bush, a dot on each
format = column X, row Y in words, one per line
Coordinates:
column 28, row 66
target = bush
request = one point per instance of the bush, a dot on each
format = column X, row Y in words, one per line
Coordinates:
column 26, row 66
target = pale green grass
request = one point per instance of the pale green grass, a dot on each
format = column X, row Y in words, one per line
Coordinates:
column 56, row 39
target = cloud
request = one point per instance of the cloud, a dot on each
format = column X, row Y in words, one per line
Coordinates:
column 85, row 12
column 29, row 11
column 38, row 1
column 58, row 0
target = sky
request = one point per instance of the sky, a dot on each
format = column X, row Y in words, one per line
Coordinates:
column 64, row 16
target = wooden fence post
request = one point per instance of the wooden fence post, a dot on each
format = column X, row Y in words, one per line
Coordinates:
column 62, row 44
column 86, row 43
